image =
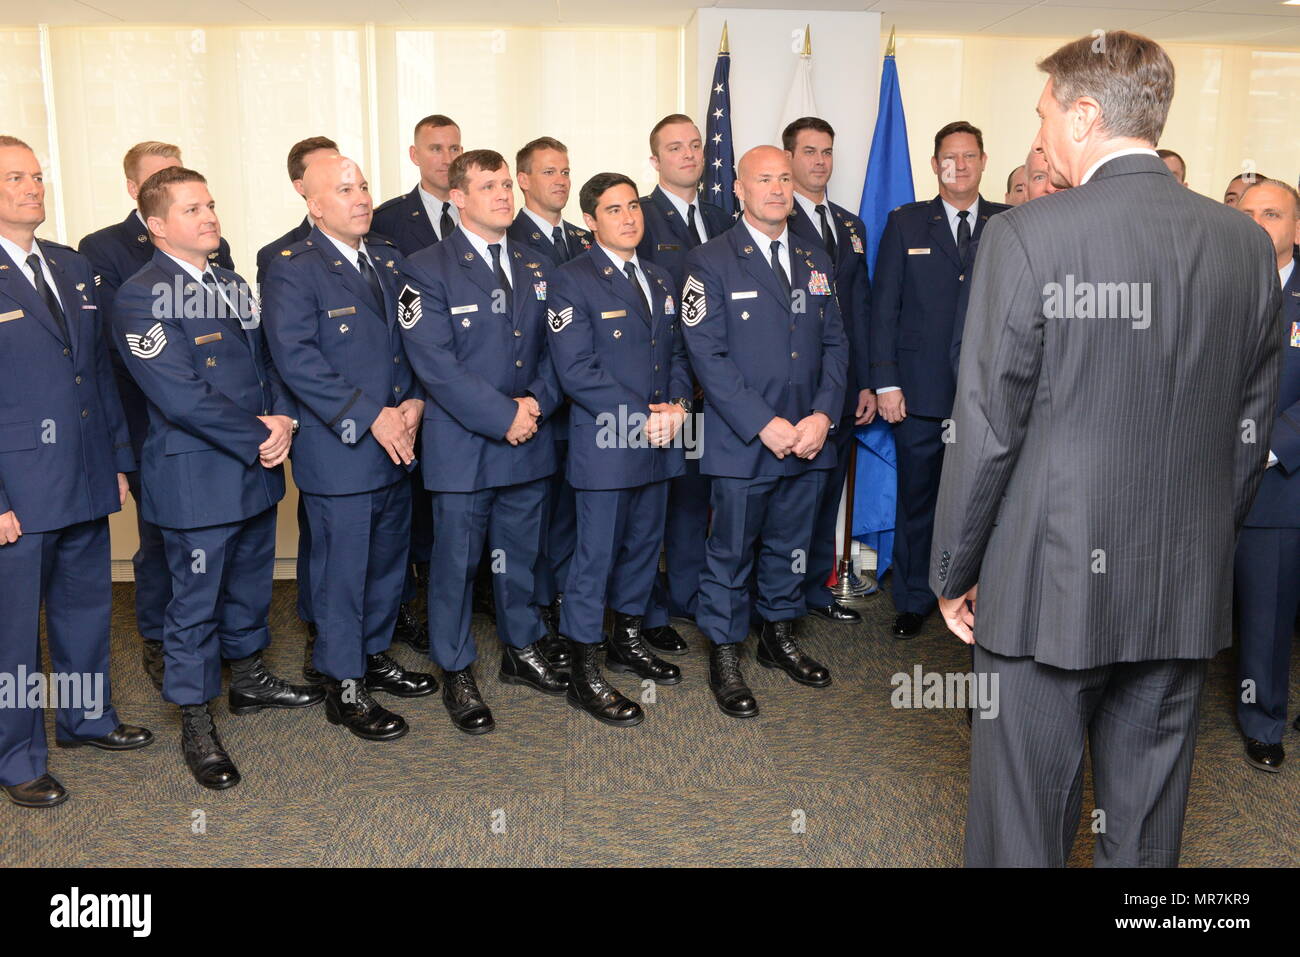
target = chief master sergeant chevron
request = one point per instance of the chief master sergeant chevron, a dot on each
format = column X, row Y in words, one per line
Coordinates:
column 766, row 341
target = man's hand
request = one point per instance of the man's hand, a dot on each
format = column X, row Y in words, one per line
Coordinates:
column 812, row 431
column 10, row 529
column 779, row 436
column 122, row 489
column 892, row 406
column 665, row 422
column 412, row 413
column 391, row 431
column 866, row 410
column 276, row 447
column 960, row 617
column 524, row 427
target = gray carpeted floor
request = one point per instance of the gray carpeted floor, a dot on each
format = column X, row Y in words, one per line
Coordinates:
column 835, row 776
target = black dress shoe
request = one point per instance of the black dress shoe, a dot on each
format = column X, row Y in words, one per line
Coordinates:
column 409, row 630
column 154, row 666
column 592, row 693
column 350, row 704
column 309, row 672
column 777, row 649
column 908, row 625
column 125, row 737
column 44, row 791
column 554, row 648
column 626, row 651
column 1266, row 757
column 253, row 687
column 666, row 639
column 464, row 703
column 834, row 612
column 528, row 666
column 206, row 758
column 386, row 675
column 728, row 684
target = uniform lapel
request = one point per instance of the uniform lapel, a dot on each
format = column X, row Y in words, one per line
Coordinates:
column 941, row 232
column 980, row 219
column 70, row 297
column 19, row 288
column 756, row 262
column 477, row 269
column 612, row 272
column 417, row 217
column 674, row 220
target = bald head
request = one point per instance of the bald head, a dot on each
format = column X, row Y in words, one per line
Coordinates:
column 765, row 186
column 338, row 197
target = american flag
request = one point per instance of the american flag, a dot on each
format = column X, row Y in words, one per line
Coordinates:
column 719, row 157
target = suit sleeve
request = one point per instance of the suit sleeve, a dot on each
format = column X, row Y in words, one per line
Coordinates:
column 1285, row 441
column 169, row 381
column 1259, row 395
column 431, row 347
column 573, row 349
column 743, row 408
column 291, row 318
column 835, row 364
column 1000, row 365
column 545, row 387
column 887, row 296
column 109, row 398
column 681, row 381
column 860, row 333
column 959, row 322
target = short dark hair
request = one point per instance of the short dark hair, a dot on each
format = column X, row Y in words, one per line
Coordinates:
column 1130, row 76
column 298, row 153
column 524, row 158
column 594, row 188
column 458, row 175
column 155, row 193
column 957, row 126
column 1255, row 177
column 668, row 120
column 790, row 135
column 1012, row 175
column 435, row 120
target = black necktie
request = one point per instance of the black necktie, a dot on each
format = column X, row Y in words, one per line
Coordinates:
column 561, row 250
column 47, row 294
column 963, row 235
column 828, row 231
column 502, row 282
column 630, row 269
column 372, row 279
column 446, row 225
column 777, row 268
column 693, row 232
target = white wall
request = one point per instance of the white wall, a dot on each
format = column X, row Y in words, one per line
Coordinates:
column 765, row 47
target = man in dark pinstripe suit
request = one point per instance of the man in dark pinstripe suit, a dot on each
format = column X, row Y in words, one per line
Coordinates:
column 1117, row 386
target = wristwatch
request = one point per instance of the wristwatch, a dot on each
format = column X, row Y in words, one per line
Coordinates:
column 685, row 404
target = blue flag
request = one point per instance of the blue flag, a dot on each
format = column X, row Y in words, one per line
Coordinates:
column 718, row 183
column 889, row 168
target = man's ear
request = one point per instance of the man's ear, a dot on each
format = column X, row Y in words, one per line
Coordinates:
column 133, row 189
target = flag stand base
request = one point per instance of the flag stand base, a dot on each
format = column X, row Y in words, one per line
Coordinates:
column 849, row 589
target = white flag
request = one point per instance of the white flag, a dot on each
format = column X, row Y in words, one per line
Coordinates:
column 800, row 102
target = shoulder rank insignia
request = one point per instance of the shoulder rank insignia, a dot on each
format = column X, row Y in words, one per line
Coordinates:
column 409, row 308
column 558, row 320
column 285, row 252
column 150, row 345
column 694, row 307
column 532, row 265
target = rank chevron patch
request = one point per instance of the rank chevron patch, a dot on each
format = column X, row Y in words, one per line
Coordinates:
column 149, row 345
column 558, row 320
column 409, row 308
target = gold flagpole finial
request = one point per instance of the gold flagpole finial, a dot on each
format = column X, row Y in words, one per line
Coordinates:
column 807, row 39
column 889, row 48
column 723, row 48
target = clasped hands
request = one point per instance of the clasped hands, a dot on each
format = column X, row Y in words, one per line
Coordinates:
column 803, row 439
column 395, row 429
column 275, row 449
column 524, row 427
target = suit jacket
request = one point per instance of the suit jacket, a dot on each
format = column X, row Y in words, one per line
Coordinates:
column 852, row 288
column 665, row 242
column 759, row 354
column 207, row 374
column 341, row 356
column 1277, row 504
column 276, row 247
column 63, row 437
column 403, row 220
column 524, row 230
column 1100, row 467
column 474, row 360
column 613, row 360
column 915, row 288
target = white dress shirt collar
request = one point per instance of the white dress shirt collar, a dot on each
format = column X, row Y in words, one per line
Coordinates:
column 621, row 265
column 350, row 254
column 20, row 260
column 545, row 228
column 683, row 208
column 1129, row 151
column 1284, row 274
column 764, row 244
column 951, row 211
column 433, row 209
column 480, row 246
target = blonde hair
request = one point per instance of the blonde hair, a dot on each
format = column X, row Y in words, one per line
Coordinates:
column 131, row 162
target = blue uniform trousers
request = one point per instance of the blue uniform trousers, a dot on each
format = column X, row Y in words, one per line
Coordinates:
column 221, row 597
column 70, row 571
column 153, row 582
column 305, row 611
column 1267, row 584
column 919, row 444
column 769, row 516
column 559, row 533
column 824, row 549
column 359, row 548
column 509, row 519
column 619, row 535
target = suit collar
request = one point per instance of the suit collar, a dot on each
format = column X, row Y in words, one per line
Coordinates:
column 1125, row 163
column 611, row 269
column 670, row 212
column 15, row 284
column 755, row 260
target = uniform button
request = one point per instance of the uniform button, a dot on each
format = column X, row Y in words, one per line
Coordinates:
column 397, row 360
column 397, row 390
column 794, row 355
column 652, row 342
column 792, row 328
column 519, row 363
column 85, row 413
column 66, row 352
column 266, row 411
column 657, row 392
column 656, row 368
column 78, row 380
column 518, row 334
